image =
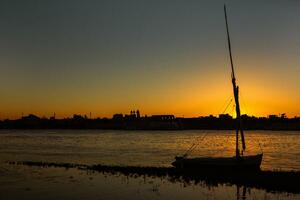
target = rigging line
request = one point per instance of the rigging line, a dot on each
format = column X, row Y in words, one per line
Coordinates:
column 231, row 113
column 243, row 102
column 197, row 138
column 232, row 110
column 201, row 139
column 193, row 147
column 185, row 154
column 227, row 106
column 225, row 103
column 252, row 137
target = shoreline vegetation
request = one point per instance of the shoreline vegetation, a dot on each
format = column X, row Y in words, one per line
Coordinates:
column 273, row 181
column 134, row 121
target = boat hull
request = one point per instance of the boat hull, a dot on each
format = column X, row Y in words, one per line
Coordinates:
column 252, row 162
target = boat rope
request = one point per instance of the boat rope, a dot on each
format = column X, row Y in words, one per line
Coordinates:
column 225, row 103
column 186, row 153
column 243, row 102
column 253, row 138
column 232, row 110
column 194, row 145
column 227, row 106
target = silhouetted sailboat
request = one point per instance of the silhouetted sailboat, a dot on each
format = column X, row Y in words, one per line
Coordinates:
column 237, row 161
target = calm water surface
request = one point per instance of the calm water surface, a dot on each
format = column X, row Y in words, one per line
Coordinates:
column 142, row 148
column 21, row 182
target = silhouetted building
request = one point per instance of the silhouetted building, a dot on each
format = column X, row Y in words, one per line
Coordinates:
column 30, row 117
column 225, row 117
column 163, row 122
column 78, row 117
column 163, row 117
column 273, row 117
column 118, row 116
column 52, row 117
column 159, row 122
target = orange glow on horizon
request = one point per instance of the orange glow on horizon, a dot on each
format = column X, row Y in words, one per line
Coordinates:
column 190, row 93
column 191, row 102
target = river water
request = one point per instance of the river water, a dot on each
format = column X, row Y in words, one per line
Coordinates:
column 139, row 148
column 145, row 148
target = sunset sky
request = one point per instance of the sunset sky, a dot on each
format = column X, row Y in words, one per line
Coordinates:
column 161, row 57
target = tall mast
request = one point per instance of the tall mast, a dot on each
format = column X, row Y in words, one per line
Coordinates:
column 239, row 126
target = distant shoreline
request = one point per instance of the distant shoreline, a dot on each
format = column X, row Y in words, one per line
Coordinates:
column 155, row 122
column 275, row 130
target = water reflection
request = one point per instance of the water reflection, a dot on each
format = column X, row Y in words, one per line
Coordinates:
column 36, row 182
column 243, row 196
column 198, row 189
column 274, row 181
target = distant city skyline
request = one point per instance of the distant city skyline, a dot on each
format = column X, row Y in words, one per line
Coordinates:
column 137, row 113
column 161, row 57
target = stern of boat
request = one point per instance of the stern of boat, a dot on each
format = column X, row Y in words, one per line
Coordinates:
column 178, row 161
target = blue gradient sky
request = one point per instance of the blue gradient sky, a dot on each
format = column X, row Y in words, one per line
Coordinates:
column 157, row 56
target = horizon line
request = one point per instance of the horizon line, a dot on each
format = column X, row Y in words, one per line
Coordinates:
column 85, row 116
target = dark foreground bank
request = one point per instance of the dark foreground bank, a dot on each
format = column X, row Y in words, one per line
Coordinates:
column 273, row 181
